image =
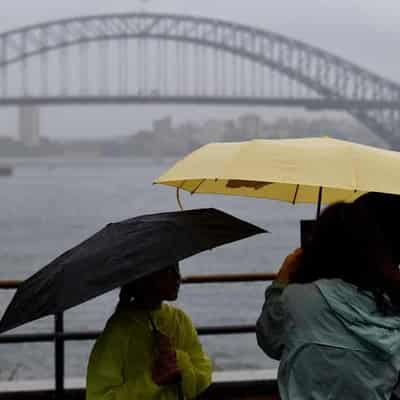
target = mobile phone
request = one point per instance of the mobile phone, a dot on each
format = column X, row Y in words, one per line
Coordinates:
column 306, row 230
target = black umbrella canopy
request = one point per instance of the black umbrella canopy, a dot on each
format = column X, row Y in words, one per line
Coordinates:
column 119, row 253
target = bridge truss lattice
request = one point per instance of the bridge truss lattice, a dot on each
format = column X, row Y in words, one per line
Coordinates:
column 161, row 58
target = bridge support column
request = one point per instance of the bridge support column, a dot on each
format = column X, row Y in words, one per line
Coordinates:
column 29, row 125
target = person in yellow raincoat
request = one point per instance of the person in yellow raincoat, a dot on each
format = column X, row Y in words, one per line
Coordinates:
column 148, row 348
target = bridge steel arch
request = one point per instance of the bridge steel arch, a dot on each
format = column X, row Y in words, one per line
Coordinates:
column 330, row 76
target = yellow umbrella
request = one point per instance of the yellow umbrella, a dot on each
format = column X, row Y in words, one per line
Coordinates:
column 306, row 170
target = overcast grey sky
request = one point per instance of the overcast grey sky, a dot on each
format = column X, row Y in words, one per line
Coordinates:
column 364, row 31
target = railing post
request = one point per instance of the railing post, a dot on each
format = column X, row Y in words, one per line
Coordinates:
column 59, row 355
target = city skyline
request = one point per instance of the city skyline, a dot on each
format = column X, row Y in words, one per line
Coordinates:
column 170, row 138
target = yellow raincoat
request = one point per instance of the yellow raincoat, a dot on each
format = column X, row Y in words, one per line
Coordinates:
column 121, row 361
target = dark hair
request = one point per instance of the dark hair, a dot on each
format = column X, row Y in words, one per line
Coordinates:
column 126, row 295
column 348, row 243
column 384, row 208
column 133, row 289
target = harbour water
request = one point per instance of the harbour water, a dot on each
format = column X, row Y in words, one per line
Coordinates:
column 48, row 206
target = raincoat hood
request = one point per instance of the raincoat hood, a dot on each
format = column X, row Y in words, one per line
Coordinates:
column 358, row 311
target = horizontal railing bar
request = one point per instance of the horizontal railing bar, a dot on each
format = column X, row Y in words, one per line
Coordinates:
column 90, row 335
column 27, row 338
column 226, row 330
column 227, row 278
column 219, row 278
column 10, row 284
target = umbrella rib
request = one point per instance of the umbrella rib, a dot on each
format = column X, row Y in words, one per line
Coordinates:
column 197, row 187
column 295, row 194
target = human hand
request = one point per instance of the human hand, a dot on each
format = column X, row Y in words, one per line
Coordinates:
column 290, row 265
column 165, row 376
column 165, row 369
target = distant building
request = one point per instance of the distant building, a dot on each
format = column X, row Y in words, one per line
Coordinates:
column 187, row 130
column 29, row 125
column 162, row 126
column 250, row 125
column 212, row 130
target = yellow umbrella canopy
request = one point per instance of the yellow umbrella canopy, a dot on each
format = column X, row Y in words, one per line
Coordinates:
column 306, row 170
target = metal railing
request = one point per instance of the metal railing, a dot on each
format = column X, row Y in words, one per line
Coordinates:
column 59, row 336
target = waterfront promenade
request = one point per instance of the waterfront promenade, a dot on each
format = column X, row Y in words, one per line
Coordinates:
column 246, row 384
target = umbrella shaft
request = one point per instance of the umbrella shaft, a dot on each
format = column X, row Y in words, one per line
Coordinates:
column 319, row 201
column 179, row 391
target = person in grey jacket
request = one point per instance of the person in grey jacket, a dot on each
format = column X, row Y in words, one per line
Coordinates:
column 331, row 316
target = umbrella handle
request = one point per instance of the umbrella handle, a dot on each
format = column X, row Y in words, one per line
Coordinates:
column 178, row 199
column 319, row 201
column 179, row 391
column 153, row 326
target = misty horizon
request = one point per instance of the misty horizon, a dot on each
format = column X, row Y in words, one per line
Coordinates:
column 359, row 31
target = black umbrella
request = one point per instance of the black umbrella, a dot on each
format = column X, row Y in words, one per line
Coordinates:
column 119, row 253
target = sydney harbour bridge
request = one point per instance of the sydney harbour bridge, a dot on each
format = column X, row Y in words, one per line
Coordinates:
column 147, row 58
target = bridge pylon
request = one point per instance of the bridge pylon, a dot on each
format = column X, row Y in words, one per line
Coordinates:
column 29, row 125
